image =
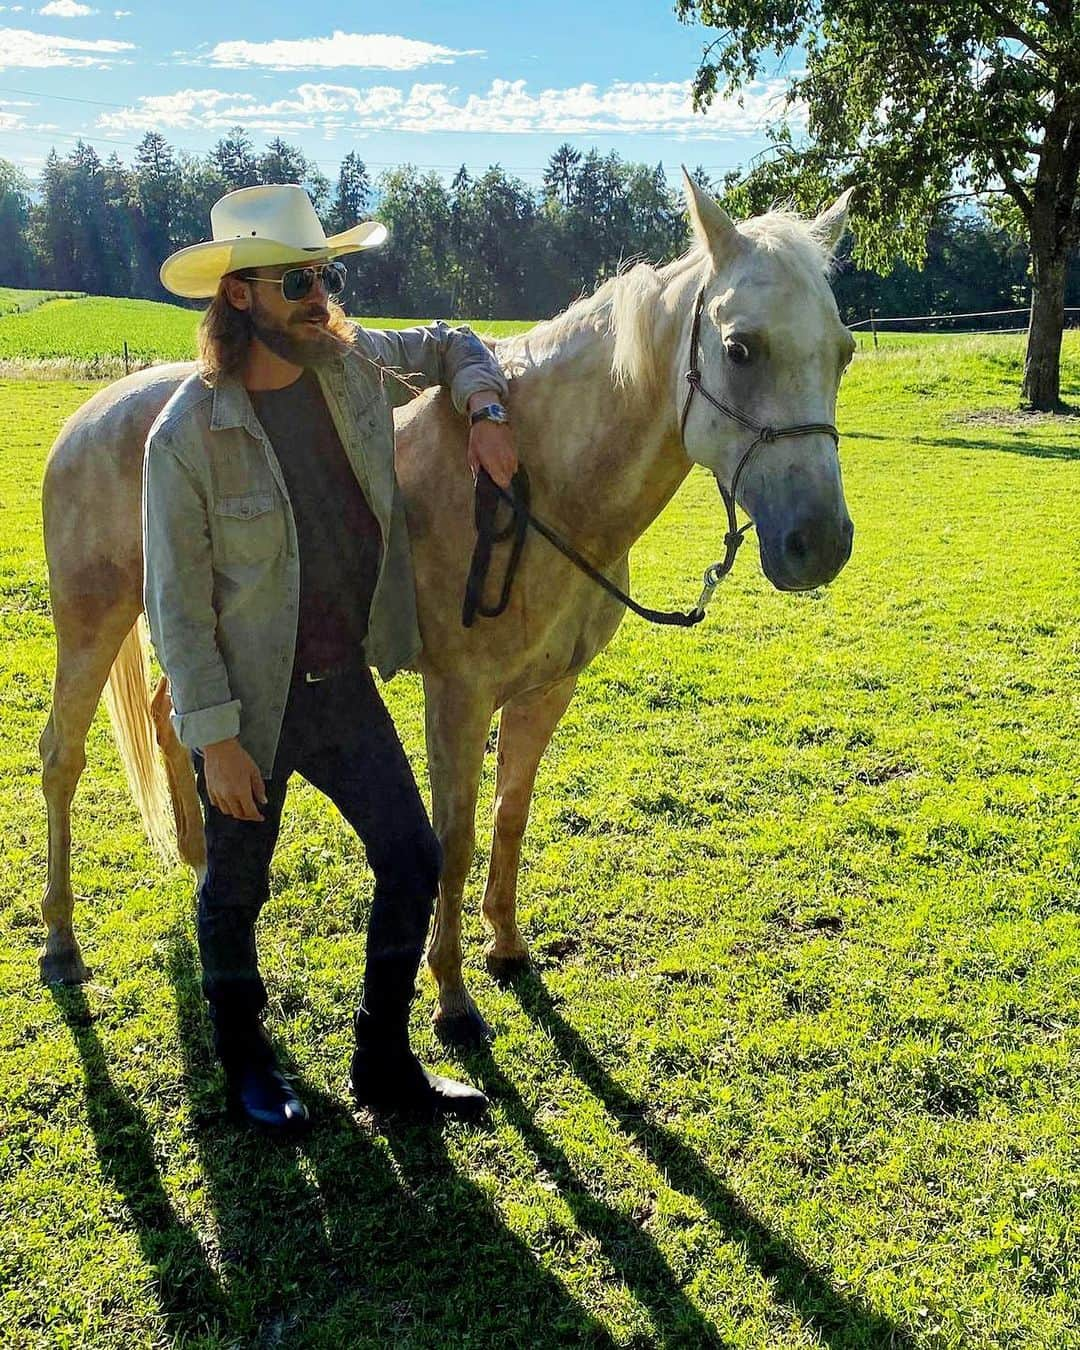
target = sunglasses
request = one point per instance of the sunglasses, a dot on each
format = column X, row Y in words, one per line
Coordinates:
column 298, row 282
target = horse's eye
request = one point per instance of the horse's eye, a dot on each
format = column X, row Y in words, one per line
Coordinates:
column 737, row 352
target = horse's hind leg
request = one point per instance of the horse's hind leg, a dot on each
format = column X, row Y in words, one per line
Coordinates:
column 187, row 813
column 86, row 647
column 457, row 721
column 525, row 728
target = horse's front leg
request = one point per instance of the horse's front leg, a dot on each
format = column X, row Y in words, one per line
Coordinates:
column 457, row 721
column 525, row 729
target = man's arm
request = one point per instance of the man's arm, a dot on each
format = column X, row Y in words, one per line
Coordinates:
column 436, row 354
column 455, row 357
column 178, row 596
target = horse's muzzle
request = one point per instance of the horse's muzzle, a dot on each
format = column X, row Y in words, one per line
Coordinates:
column 808, row 554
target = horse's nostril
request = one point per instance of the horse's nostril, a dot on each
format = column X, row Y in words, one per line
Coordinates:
column 795, row 544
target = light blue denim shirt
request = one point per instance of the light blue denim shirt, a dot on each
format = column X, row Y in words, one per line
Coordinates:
column 222, row 577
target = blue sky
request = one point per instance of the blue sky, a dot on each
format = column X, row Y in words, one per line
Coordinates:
column 435, row 85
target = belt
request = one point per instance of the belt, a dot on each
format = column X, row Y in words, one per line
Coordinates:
column 325, row 673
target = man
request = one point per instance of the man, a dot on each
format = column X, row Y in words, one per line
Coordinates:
column 277, row 571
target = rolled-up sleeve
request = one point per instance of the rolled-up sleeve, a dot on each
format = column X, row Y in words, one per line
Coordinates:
column 178, row 586
column 435, row 354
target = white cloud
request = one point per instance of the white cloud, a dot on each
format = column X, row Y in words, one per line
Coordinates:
column 16, row 121
column 507, row 107
column 66, row 9
column 121, row 13
column 373, row 51
column 18, row 47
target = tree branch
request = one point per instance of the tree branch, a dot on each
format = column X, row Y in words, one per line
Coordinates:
column 1011, row 29
column 1013, row 186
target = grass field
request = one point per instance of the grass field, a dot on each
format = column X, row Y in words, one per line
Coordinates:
column 800, row 1062
column 85, row 336
column 13, row 301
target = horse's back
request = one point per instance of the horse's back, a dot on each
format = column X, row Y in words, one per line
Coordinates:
column 92, row 490
column 114, row 422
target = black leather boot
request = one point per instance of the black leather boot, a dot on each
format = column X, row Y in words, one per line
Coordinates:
column 256, row 1090
column 386, row 1075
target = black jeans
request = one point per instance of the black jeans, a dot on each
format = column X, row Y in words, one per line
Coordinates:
column 338, row 735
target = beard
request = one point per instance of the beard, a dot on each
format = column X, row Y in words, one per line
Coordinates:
column 298, row 340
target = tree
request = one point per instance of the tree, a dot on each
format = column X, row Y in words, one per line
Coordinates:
column 68, row 222
column 14, row 219
column 352, row 195
column 281, row 162
column 914, row 102
column 234, row 159
column 155, row 183
column 559, row 174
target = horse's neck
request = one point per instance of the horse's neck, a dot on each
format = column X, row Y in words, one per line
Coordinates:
column 605, row 459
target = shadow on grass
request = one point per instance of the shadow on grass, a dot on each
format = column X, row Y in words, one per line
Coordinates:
column 1014, row 445
column 632, row 1254
column 356, row 1238
column 840, row 1322
column 187, row 1289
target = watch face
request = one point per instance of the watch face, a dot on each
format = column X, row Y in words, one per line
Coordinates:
column 493, row 412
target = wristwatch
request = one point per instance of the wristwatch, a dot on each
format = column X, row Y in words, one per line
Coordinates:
column 490, row 412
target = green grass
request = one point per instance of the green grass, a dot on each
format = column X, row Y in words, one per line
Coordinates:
column 84, row 337
column 800, row 1065
column 13, row 301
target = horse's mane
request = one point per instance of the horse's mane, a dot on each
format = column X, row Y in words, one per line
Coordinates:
column 624, row 305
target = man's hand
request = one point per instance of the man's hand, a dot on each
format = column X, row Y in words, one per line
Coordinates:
column 491, row 446
column 233, row 781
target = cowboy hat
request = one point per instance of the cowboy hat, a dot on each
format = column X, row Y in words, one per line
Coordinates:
column 260, row 227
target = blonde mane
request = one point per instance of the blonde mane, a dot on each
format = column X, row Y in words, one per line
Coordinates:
column 624, row 307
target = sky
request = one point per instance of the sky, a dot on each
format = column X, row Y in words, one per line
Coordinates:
column 434, row 85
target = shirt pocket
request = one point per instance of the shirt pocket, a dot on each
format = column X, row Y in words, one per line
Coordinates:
column 250, row 528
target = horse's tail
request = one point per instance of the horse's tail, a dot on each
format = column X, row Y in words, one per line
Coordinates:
column 127, row 697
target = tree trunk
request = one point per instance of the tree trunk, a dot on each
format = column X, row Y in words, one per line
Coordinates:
column 1042, row 363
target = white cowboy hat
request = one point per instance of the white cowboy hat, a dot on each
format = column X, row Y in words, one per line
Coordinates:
column 260, row 227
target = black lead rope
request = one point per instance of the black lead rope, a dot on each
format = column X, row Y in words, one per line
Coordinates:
column 489, row 494
column 488, row 534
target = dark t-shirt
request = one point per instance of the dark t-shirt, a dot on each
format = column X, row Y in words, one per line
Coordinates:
column 337, row 533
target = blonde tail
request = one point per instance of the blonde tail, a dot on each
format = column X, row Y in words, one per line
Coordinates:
column 127, row 697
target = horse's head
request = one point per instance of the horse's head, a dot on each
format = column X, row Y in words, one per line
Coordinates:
column 771, row 348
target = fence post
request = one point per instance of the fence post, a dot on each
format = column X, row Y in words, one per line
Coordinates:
column 873, row 326
column 127, row 364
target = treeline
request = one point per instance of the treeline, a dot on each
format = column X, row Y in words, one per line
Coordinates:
column 488, row 245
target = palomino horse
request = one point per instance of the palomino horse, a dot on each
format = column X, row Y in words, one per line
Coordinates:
column 597, row 397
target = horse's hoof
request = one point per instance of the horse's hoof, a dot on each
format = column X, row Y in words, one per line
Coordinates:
column 506, row 969
column 66, row 967
column 466, row 1031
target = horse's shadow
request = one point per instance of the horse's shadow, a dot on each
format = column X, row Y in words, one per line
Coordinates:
column 838, row 1320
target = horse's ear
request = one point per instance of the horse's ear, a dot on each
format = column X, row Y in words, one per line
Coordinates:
column 713, row 227
column 831, row 224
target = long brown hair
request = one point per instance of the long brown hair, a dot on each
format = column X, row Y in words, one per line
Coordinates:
column 226, row 332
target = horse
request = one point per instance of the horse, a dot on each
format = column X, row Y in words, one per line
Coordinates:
column 608, row 427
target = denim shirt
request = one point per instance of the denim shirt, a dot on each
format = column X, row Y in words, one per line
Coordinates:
column 222, row 571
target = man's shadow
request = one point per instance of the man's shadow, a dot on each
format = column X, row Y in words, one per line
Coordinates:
column 355, row 1238
column 841, row 1321
column 187, row 1289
